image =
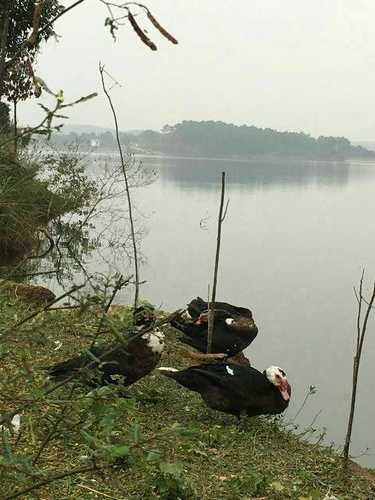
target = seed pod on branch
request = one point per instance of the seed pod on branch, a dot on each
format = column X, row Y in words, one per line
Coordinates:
column 160, row 28
column 140, row 32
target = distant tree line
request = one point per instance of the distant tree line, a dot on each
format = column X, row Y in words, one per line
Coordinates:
column 216, row 138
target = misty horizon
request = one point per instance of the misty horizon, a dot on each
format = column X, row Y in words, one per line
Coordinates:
column 296, row 66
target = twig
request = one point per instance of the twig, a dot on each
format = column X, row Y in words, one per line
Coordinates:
column 53, row 430
column 41, row 31
column 96, row 491
column 55, row 477
column 361, row 333
column 130, row 207
column 121, row 282
column 309, row 393
column 39, row 311
column 211, row 305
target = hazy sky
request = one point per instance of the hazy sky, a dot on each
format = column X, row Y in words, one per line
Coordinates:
column 286, row 64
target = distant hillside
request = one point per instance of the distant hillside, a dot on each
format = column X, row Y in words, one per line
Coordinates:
column 209, row 138
column 219, row 139
column 366, row 144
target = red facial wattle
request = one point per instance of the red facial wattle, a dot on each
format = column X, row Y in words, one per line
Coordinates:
column 284, row 389
column 201, row 319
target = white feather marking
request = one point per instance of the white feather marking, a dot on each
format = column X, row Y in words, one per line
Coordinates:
column 229, row 370
column 58, row 344
column 167, row 369
column 229, row 321
column 155, row 340
column 15, row 422
column 186, row 315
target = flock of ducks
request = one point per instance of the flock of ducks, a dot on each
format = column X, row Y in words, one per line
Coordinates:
column 224, row 385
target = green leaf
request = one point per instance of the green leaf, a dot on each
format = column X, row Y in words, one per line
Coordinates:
column 88, row 438
column 136, row 432
column 277, row 486
column 153, row 456
column 175, row 469
column 7, row 450
column 119, row 451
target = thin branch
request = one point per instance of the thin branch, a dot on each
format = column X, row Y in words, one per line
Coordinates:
column 225, row 211
column 39, row 311
column 55, row 477
column 100, row 493
column 211, row 305
column 54, row 428
column 41, row 31
column 359, row 309
column 123, row 166
column 120, row 283
column 361, row 333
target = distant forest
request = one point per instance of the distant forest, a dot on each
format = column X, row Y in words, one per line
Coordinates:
column 216, row 138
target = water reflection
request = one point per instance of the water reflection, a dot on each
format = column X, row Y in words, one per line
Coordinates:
column 203, row 174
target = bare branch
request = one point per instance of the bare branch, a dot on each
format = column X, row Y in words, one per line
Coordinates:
column 41, row 31
column 225, row 211
column 124, row 171
column 361, row 333
column 55, row 477
column 39, row 311
column 211, row 307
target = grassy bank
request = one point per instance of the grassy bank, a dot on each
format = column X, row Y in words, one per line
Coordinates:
column 160, row 443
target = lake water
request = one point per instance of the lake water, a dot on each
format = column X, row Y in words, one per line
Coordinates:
column 294, row 242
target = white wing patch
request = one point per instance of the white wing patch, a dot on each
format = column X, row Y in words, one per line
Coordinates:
column 229, row 370
column 155, row 340
column 186, row 315
column 229, row 321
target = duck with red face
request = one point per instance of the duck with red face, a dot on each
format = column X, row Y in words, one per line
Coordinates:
column 277, row 377
column 236, row 389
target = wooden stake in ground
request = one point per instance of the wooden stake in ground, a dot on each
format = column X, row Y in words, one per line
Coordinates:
column 361, row 332
column 211, row 309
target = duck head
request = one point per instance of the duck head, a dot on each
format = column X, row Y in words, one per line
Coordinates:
column 144, row 316
column 277, row 377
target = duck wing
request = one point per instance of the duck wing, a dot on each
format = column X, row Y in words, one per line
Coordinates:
column 234, row 310
column 225, row 386
column 66, row 368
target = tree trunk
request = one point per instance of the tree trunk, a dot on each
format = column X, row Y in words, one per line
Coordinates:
column 4, row 30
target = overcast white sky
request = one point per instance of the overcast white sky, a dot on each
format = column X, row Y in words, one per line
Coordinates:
column 286, row 64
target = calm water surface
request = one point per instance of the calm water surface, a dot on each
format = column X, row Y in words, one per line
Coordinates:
column 294, row 243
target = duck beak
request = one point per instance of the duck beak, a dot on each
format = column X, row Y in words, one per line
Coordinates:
column 283, row 388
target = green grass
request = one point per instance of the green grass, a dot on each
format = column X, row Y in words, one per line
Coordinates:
column 179, row 447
